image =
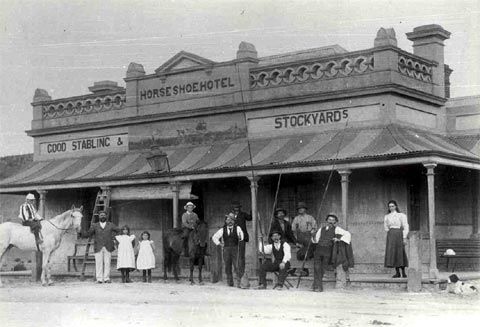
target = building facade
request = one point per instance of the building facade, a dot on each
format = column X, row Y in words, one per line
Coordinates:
column 343, row 131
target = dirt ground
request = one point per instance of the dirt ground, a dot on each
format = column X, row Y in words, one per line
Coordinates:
column 75, row 303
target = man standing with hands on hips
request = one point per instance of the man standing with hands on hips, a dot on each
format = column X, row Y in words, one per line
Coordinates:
column 324, row 240
column 241, row 219
column 103, row 233
column 229, row 237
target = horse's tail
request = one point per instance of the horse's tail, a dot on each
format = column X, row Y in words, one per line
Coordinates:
column 167, row 253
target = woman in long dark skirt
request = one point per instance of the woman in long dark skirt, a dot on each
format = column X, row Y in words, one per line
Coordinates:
column 396, row 226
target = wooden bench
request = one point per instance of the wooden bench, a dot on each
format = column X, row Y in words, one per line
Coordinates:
column 464, row 248
column 79, row 256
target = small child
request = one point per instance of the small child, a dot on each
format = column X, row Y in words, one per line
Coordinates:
column 146, row 258
column 126, row 255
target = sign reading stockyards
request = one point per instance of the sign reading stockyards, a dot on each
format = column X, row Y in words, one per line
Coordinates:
column 99, row 144
column 311, row 118
column 187, row 88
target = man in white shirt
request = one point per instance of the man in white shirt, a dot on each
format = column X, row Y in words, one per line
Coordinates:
column 281, row 255
column 29, row 216
column 324, row 239
column 229, row 237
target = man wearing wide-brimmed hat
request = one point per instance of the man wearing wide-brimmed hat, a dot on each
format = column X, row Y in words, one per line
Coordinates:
column 189, row 222
column 241, row 219
column 302, row 225
column 281, row 223
column 281, row 255
column 324, row 240
column 29, row 216
column 229, row 237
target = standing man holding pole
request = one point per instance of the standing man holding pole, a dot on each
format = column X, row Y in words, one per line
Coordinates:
column 324, row 239
column 241, row 219
column 229, row 237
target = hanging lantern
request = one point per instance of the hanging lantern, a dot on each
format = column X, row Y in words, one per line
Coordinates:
column 158, row 160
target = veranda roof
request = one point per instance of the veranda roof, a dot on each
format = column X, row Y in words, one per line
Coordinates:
column 347, row 146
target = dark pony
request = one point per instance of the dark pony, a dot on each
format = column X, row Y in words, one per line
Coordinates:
column 173, row 247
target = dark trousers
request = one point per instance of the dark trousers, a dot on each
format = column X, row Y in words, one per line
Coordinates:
column 35, row 227
column 320, row 264
column 230, row 256
column 269, row 266
column 241, row 259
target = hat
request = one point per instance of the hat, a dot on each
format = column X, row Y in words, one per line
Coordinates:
column 30, row 196
column 236, row 204
column 301, row 205
column 280, row 209
column 279, row 232
column 189, row 204
column 230, row 215
column 453, row 278
column 449, row 252
column 332, row 215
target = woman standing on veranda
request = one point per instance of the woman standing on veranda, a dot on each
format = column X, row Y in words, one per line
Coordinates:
column 396, row 226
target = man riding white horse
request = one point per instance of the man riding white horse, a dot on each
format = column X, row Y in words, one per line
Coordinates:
column 29, row 216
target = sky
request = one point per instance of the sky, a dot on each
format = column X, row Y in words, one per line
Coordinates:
column 65, row 46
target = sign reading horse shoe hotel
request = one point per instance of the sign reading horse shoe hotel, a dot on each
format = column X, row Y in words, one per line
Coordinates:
column 97, row 144
column 186, row 88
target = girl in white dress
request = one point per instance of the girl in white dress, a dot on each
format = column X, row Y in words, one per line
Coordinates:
column 126, row 256
column 146, row 257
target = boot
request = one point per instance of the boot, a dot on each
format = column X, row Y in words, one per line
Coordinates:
column 397, row 273
column 127, row 276
column 149, row 278
column 144, row 276
column 404, row 275
column 122, row 271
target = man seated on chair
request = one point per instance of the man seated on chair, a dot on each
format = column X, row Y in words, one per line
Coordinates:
column 29, row 216
column 189, row 222
column 281, row 255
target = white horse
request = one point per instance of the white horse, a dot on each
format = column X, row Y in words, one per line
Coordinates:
column 13, row 234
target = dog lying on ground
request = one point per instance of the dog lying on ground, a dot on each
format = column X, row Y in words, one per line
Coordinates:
column 456, row 286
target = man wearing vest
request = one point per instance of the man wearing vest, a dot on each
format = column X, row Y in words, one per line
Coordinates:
column 241, row 219
column 29, row 216
column 229, row 237
column 281, row 256
column 324, row 239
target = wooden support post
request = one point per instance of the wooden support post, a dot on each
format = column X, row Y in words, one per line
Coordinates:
column 414, row 282
column 255, row 222
column 37, row 272
column 433, row 271
column 476, row 204
column 345, row 180
column 176, row 197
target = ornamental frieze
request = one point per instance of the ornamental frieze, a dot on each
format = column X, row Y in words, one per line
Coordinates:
column 414, row 68
column 311, row 71
column 83, row 106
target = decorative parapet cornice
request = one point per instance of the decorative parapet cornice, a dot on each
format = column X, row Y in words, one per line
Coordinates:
column 412, row 67
column 322, row 68
column 83, row 105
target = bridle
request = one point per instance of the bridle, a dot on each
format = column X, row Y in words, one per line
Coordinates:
column 64, row 229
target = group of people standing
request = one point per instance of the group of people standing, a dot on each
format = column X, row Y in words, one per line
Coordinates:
column 104, row 233
column 328, row 245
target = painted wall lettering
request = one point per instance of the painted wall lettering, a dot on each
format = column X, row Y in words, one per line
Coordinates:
column 90, row 144
column 188, row 88
column 311, row 119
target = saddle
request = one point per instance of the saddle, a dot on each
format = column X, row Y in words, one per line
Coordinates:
column 35, row 228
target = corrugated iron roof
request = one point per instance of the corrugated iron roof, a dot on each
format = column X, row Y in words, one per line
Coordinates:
column 352, row 144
